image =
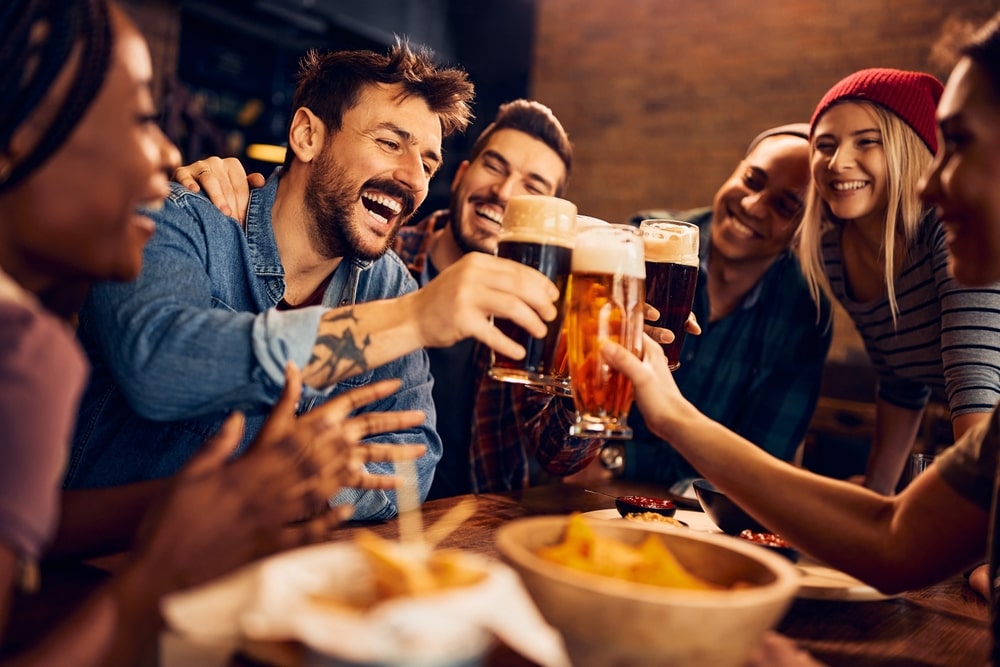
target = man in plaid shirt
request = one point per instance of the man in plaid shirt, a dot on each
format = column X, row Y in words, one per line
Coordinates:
column 484, row 424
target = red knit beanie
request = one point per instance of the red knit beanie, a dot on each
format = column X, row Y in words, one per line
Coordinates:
column 913, row 96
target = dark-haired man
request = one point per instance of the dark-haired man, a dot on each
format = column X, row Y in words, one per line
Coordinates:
column 220, row 308
column 525, row 150
column 483, row 424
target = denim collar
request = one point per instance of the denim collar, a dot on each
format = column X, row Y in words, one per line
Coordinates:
column 264, row 248
column 260, row 233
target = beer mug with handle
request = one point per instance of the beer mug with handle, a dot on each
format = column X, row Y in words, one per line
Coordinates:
column 671, row 277
column 605, row 299
column 538, row 231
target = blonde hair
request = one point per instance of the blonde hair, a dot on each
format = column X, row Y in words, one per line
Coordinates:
column 906, row 157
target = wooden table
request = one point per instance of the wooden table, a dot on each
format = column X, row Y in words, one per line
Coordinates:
column 945, row 624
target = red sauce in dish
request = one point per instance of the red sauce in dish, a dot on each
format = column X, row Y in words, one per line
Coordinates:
column 647, row 502
column 767, row 539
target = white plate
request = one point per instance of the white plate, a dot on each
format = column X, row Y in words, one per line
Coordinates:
column 695, row 520
column 819, row 581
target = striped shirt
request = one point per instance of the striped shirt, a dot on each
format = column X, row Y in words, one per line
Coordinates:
column 945, row 343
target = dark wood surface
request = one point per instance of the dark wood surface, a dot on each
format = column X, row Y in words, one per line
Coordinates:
column 945, row 624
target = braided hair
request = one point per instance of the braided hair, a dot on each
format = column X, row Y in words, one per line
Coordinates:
column 39, row 38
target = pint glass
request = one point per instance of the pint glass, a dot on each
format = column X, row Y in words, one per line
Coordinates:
column 604, row 302
column 537, row 231
column 671, row 277
column 558, row 383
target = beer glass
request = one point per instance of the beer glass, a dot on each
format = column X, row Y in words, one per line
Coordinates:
column 537, row 231
column 559, row 384
column 671, row 277
column 604, row 302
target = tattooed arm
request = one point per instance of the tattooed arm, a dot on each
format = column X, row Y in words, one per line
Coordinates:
column 458, row 304
column 189, row 339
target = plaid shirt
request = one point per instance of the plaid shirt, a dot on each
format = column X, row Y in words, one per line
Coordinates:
column 501, row 440
column 756, row 371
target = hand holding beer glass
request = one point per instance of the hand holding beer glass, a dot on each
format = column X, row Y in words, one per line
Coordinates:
column 538, row 231
column 604, row 302
column 671, row 277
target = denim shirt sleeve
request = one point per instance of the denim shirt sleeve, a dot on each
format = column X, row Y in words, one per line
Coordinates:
column 390, row 277
column 415, row 394
column 195, row 334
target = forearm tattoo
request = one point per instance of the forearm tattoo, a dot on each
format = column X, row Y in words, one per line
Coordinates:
column 336, row 355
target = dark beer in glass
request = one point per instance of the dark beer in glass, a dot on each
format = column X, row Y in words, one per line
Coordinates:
column 538, row 231
column 671, row 277
column 558, row 383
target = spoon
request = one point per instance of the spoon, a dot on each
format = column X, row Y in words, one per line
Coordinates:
column 640, row 504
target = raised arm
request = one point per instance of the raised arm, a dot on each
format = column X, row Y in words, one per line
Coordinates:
column 180, row 343
column 871, row 536
column 460, row 303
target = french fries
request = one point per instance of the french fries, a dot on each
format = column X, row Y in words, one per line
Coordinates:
column 651, row 562
column 401, row 569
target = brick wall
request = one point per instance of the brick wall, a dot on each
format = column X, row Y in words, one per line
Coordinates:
column 661, row 96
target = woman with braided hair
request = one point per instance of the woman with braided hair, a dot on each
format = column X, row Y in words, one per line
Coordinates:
column 80, row 153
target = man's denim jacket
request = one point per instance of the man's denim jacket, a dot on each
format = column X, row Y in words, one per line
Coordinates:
column 197, row 336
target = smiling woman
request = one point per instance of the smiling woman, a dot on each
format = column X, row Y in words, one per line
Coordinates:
column 75, row 76
column 867, row 241
column 938, row 525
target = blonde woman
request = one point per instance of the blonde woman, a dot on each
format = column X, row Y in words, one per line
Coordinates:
column 940, row 524
column 868, row 242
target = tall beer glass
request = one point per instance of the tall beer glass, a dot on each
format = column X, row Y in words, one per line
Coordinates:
column 671, row 277
column 559, row 384
column 604, row 302
column 537, row 231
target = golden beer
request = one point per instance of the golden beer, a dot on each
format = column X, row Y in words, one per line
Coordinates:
column 604, row 302
column 671, row 248
column 539, row 232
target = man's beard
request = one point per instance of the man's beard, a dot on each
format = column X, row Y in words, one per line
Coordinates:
column 329, row 199
column 461, row 240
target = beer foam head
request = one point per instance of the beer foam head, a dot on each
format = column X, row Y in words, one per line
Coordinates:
column 540, row 219
column 609, row 249
column 588, row 221
column 670, row 241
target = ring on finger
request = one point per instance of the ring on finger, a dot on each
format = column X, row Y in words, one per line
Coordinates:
column 204, row 171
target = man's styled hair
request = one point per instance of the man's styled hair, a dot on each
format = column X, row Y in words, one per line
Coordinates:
column 536, row 120
column 330, row 83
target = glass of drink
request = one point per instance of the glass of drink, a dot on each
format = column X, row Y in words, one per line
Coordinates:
column 537, row 231
column 559, row 384
column 604, row 302
column 671, row 277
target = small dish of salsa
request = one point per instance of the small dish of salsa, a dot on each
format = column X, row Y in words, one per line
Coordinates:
column 639, row 504
column 772, row 541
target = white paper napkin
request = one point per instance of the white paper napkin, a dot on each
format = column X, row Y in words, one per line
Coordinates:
column 274, row 600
